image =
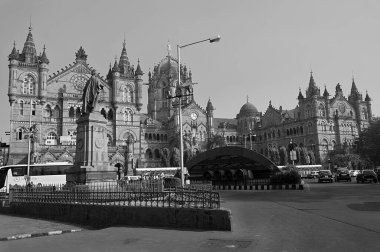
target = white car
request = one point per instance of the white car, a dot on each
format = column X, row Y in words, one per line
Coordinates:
column 354, row 173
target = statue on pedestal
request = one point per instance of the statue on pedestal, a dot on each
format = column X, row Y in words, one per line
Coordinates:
column 91, row 93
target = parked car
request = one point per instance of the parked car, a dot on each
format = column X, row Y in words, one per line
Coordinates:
column 312, row 174
column 354, row 173
column 343, row 176
column 366, row 176
column 325, row 176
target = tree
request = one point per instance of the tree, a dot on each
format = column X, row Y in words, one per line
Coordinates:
column 175, row 158
column 216, row 141
column 368, row 144
column 283, row 155
column 165, row 156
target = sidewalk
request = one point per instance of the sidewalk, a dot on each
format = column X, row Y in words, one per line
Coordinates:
column 14, row 227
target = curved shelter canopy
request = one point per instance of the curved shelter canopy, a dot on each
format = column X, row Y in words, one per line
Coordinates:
column 230, row 159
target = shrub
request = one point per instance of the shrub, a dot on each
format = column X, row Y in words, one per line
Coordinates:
column 289, row 175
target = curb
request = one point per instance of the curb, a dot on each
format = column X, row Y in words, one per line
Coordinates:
column 50, row 233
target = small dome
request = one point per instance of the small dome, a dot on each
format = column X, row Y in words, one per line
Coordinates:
column 248, row 109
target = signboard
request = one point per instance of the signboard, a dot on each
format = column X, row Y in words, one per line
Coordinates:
column 293, row 155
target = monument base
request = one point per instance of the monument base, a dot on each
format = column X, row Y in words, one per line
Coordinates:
column 86, row 174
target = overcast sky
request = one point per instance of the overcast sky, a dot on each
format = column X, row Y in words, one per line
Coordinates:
column 267, row 50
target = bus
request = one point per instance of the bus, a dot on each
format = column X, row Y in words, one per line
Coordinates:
column 40, row 174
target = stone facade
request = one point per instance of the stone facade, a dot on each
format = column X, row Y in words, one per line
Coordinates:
column 53, row 104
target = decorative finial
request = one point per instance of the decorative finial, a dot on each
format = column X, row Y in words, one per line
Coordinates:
column 138, row 61
column 44, row 47
column 247, row 98
column 169, row 48
column 30, row 23
column 311, row 70
column 124, row 41
column 270, row 103
column 14, row 43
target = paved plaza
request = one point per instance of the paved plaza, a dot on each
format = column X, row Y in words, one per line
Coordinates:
column 323, row 217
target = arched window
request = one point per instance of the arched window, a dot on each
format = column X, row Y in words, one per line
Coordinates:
column 128, row 116
column 127, row 94
column 51, row 135
column 71, row 112
column 28, row 85
column 308, row 111
column 51, row 139
column 325, row 146
column 154, row 137
column 19, row 134
column 146, row 136
column 21, row 106
column 77, row 112
column 364, row 113
column 109, row 140
column 56, row 112
column 157, row 154
column 110, row 115
column 321, row 110
column 104, row 113
column 150, row 136
column 301, row 129
column 148, row 154
column 47, row 111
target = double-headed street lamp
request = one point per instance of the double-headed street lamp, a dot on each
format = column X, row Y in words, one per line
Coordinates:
column 211, row 40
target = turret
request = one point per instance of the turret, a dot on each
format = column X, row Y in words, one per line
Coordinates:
column 369, row 106
column 338, row 91
column 326, row 96
column 43, row 76
column 138, row 85
column 115, row 80
column 210, row 116
column 13, row 63
column 300, row 96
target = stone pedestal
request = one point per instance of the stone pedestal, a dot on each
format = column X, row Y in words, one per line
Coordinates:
column 91, row 158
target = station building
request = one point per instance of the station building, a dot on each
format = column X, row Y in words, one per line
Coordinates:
column 52, row 102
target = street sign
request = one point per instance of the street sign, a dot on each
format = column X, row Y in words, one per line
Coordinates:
column 293, row 155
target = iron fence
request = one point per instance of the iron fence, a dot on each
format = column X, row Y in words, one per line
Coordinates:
column 116, row 194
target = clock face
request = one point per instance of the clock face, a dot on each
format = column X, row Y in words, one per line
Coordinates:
column 194, row 116
column 79, row 81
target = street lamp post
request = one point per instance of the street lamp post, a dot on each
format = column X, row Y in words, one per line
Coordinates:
column 211, row 40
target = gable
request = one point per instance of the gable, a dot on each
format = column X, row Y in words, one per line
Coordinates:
column 72, row 80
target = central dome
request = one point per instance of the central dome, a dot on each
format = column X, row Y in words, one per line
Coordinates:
column 168, row 65
column 248, row 109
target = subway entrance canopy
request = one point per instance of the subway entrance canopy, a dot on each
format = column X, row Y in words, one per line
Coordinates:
column 231, row 163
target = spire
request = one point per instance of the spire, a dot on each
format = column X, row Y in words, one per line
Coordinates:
column 311, row 82
column 300, row 95
column 325, row 93
column 312, row 90
column 29, row 51
column 367, row 98
column 14, row 54
column 169, row 48
column 354, row 89
column 43, row 58
column 124, row 65
column 138, row 68
column 109, row 74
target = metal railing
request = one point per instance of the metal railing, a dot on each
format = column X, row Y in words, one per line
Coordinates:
column 116, row 194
